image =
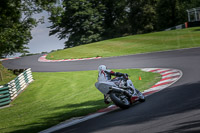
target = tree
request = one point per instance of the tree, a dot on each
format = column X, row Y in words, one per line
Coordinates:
column 16, row 23
column 142, row 15
column 85, row 21
column 173, row 12
column 167, row 13
column 116, row 18
column 81, row 22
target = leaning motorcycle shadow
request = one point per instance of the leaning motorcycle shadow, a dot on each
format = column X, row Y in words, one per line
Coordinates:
column 162, row 108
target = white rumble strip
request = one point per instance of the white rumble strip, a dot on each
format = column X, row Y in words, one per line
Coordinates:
column 9, row 58
column 169, row 77
column 43, row 59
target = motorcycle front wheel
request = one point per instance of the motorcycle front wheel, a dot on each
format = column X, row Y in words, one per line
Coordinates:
column 120, row 100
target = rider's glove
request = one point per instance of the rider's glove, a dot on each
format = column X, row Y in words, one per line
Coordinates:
column 125, row 75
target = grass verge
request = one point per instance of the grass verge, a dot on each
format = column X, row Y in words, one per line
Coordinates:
column 55, row 97
column 157, row 41
column 5, row 75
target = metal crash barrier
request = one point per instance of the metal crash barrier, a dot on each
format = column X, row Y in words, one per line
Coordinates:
column 11, row 90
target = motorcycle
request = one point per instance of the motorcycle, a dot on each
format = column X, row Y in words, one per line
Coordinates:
column 121, row 91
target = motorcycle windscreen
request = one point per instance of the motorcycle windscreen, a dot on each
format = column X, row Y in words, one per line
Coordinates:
column 104, row 87
column 130, row 84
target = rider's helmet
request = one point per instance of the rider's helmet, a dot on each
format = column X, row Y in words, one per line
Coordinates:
column 102, row 67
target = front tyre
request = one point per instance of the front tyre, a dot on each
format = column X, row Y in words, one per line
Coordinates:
column 120, row 100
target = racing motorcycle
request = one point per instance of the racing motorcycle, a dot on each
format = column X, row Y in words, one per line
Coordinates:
column 121, row 91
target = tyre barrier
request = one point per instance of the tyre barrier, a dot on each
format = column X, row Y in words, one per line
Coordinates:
column 12, row 89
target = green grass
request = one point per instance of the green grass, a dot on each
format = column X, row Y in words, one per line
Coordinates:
column 5, row 75
column 55, row 97
column 157, row 41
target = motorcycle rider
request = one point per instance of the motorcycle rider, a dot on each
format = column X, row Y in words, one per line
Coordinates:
column 105, row 75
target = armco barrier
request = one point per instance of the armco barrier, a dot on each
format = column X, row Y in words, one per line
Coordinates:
column 4, row 96
column 11, row 90
column 181, row 26
column 185, row 25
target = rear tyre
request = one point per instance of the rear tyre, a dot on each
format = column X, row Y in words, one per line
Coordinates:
column 120, row 100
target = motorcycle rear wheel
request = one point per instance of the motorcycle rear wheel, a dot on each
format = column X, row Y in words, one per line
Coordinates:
column 120, row 100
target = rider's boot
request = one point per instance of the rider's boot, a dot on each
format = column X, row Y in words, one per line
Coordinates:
column 107, row 99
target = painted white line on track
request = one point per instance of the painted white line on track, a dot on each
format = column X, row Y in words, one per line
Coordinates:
column 76, row 121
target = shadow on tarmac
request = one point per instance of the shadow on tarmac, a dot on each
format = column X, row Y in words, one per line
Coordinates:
column 171, row 101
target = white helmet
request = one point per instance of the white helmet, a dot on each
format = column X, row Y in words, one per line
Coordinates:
column 102, row 67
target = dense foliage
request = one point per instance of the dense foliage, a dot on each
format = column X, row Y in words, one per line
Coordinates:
column 16, row 23
column 173, row 12
column 81, row 21
column 86, row 21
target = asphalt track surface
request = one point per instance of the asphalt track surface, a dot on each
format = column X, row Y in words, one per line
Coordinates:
column 173, row 110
